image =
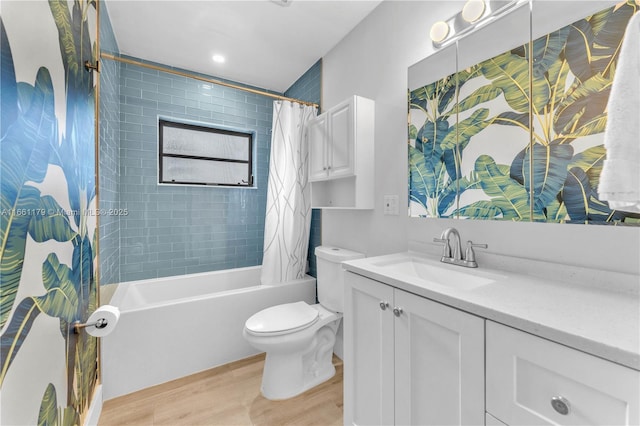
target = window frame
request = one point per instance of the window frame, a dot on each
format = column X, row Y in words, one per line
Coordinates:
column 202, row 127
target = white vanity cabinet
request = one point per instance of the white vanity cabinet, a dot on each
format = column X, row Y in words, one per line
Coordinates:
column 531, row 380
column 341, row 158
column 409, row 360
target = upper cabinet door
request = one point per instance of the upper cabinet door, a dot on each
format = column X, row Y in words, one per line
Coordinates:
column 341, row 139
column 318, row 135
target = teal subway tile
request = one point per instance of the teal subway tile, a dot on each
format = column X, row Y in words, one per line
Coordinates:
column 150, row 130
column 176, row 100
column 168, row 90
column 140, row 119
column 234, row 94
column 153, row 95
column 130, row 74
column 130, row 268
column 181, row 83
column 131, row 127
column 135, row 92
column 197, row 112
column 130, row 109
column 139, row 84
column 210, row 107
column 156, row 79
column 171, row 272
column 163, row 106
column 132, row 100
column 131, row 162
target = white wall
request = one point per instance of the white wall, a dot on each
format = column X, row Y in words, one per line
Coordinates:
column 372, row 61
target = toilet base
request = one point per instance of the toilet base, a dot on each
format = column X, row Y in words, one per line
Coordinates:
column 289, row 375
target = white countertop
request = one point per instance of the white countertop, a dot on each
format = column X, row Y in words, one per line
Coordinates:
column 597, row 312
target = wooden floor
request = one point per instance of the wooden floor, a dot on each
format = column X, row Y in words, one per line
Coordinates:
column 226, row 395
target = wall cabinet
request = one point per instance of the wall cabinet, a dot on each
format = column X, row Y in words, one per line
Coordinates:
column 409, row 360
column 341, row 155
column 531, row 380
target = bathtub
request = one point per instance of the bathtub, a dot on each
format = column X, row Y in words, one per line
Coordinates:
column 176, row 326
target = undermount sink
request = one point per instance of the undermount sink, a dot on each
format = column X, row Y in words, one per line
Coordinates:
column 435, row 273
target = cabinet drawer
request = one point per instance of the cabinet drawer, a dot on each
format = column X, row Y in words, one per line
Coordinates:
column 524, row 374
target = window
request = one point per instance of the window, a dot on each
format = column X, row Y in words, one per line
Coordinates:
column 198, row 155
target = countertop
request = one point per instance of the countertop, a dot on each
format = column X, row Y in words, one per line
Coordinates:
column 597, row 312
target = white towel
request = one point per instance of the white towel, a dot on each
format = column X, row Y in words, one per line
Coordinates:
column 620, row 178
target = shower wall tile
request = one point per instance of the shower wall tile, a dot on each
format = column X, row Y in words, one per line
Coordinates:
column 109, row 155
column 176, row 230
column 309, row 88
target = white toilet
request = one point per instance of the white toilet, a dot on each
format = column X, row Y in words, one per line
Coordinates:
column 298, row 338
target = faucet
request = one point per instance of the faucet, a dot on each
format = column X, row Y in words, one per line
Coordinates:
column 469, row 259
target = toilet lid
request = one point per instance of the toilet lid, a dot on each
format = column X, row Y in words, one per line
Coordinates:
column 286, row 317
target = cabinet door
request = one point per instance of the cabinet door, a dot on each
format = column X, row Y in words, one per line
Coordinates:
column 341, row 139
column 318, row 135
column 439, row 364
column 368, row 352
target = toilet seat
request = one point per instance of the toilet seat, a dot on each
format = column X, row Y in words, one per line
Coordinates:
column 282, row 319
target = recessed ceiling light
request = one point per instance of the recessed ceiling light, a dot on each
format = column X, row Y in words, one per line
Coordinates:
column 219, row 59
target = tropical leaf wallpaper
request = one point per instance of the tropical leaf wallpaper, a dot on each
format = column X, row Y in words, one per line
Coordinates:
column 47, row 233
column 520, row 136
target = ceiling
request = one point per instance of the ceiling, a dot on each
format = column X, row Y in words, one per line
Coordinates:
column 265, row 43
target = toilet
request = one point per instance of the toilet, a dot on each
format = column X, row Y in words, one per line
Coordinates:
column 297, row 337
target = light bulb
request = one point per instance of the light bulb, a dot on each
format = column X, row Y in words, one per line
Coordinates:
column 439, row 31
column 473, row 10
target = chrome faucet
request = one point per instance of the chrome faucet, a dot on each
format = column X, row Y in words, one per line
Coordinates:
column 469, row 259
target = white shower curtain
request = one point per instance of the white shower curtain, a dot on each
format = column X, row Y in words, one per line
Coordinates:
column 288, row 217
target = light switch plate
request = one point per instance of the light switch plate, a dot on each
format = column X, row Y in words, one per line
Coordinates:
column 391, row 205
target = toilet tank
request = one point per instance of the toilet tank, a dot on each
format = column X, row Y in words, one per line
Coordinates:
column 331, row 275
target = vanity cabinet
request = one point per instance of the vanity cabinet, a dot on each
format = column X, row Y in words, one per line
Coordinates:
column 531, row 380
column 341, row 159
column 409, row 360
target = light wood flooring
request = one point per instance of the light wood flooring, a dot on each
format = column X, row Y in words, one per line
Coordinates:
column 226, row 395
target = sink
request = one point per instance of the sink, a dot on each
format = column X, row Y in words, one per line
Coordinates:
column 434, row 272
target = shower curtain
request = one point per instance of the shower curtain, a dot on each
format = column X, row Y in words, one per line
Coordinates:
column 288, row 217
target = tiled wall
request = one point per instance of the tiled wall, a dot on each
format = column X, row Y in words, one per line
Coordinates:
column 109, row 155
column 309, row 88
column 175, row 230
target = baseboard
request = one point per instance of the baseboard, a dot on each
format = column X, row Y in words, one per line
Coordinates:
column 93, row 414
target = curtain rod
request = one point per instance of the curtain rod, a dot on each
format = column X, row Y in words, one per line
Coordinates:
column 104, row 55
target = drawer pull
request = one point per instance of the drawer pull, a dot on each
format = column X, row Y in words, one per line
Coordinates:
column 561, row 405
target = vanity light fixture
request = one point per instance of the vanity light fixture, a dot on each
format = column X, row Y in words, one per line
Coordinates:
column 439, row 31
column 474, row 13
column 473, row 10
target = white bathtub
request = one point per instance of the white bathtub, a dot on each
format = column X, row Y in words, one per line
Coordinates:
column 176, row 326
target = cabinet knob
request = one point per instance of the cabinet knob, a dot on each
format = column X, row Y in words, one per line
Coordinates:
column 561, row 405
column 384, row 305
column 397, row 311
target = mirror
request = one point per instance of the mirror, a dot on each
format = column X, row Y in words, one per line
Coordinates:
column 515, row 129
